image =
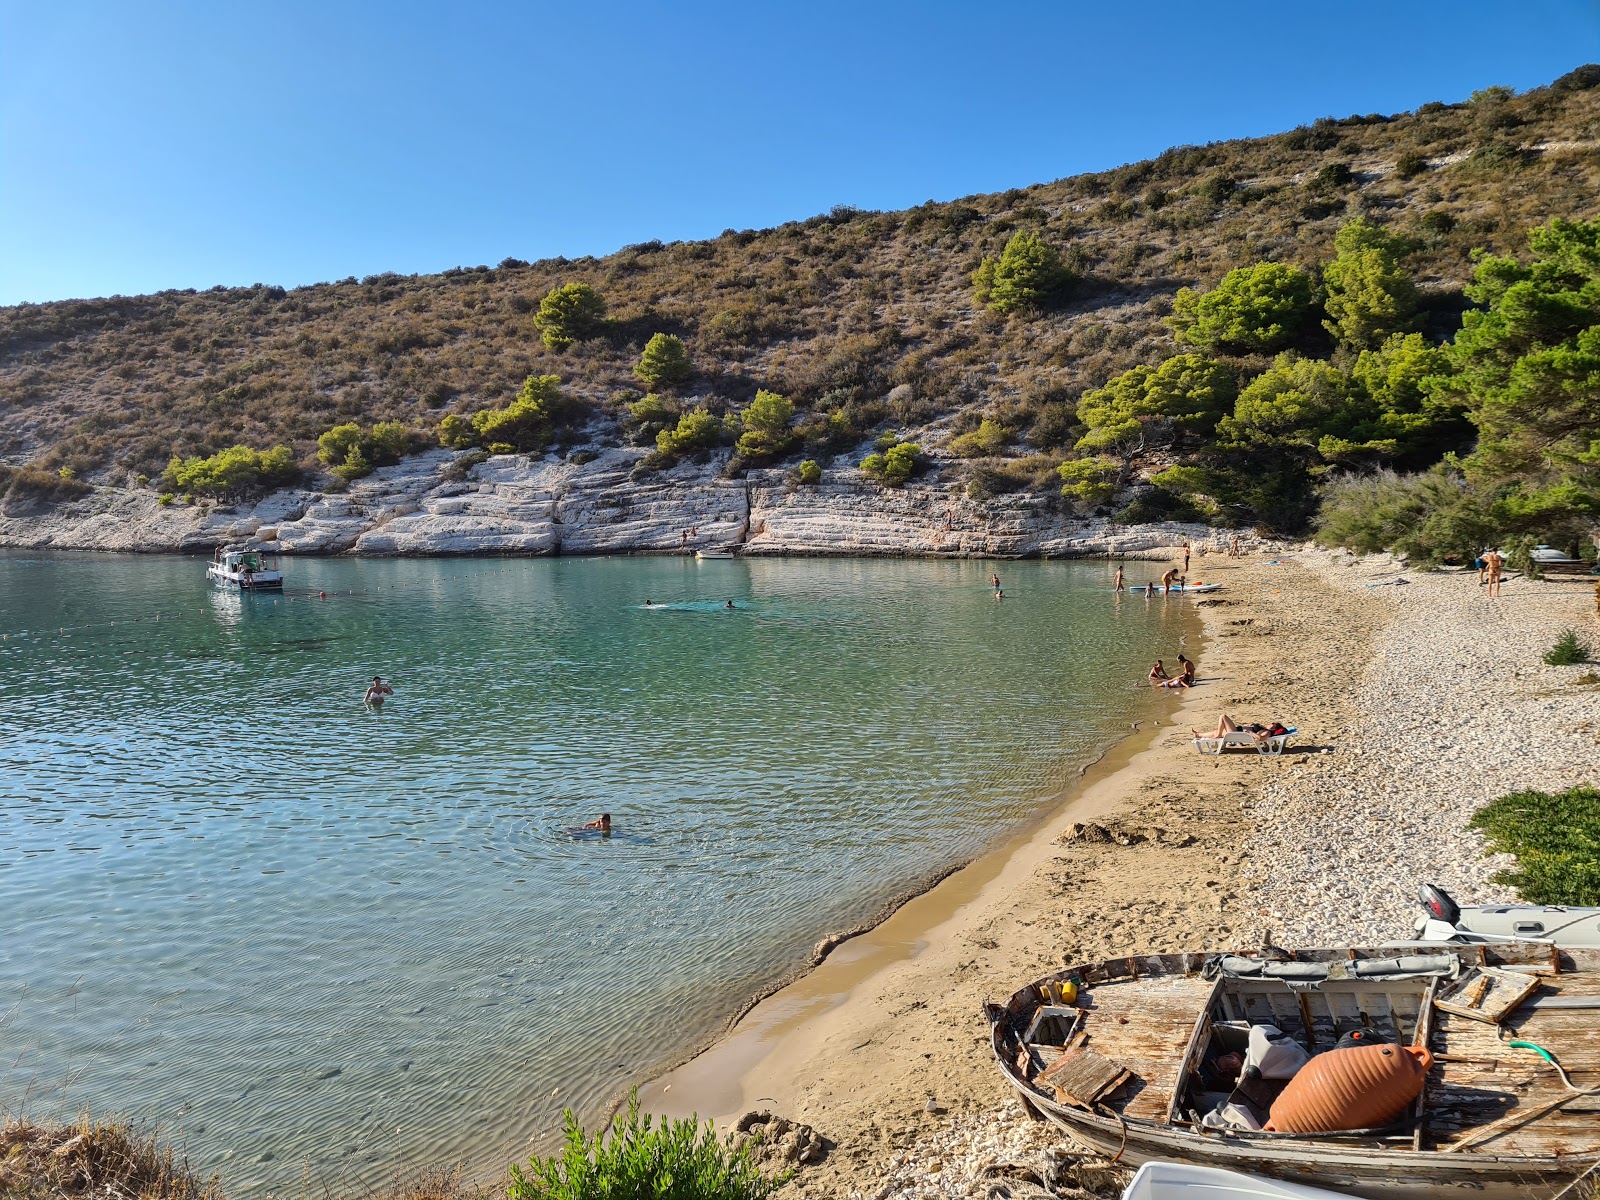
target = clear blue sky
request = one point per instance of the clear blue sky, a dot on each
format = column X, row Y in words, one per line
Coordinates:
column 155, row 144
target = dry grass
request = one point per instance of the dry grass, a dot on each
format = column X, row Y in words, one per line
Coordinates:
column 93, row 1158
column 109, row 1160
column 833, row 311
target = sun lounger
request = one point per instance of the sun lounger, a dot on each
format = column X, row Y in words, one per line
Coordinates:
column 1244, row 741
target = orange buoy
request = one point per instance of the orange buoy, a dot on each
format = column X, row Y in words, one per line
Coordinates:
column 1360, row 1087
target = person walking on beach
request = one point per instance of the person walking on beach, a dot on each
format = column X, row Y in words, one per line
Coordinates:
column 1118, row 585
column 1186, row 558
column 1497, row 566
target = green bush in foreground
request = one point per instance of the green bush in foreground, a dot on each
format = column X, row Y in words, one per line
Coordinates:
column 1569, row 651
column 1555, row 838
column 675, row 1161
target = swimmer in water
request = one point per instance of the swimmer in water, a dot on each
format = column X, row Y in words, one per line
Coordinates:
column 729, row 604
column 603, row 824
column 377, row 690
column 649, row 603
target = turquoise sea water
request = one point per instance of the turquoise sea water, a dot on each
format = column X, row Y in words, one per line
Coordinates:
column 323, row 943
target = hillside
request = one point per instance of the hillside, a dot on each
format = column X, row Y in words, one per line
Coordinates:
column 835, row 312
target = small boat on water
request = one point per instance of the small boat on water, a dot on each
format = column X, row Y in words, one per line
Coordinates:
column 1150, row 1057
column 246, row 570
column 713, row 554
column 1180, row 589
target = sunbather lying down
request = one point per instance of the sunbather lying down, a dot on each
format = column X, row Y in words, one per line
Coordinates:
column 1260, row 732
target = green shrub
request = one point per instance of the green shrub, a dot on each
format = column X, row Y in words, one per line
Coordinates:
column 765, row 426
column 676, row 1160
column 664, row 362
column 573, row 312
column 461, row 466
column 810, row 471
column 697, row 430
column 1555, row 838
column 895, row 465
column 232, row 474
column 165, row 498
column 1520, row 557
column 1569, row 651
column 1026, row 277
column 1253, row 310
column 1331, row 177
column 350, row 453
column 456, row 432
column 649, row 415
column 1410, row 164
column 988, row 439
column 36, row 484
column 528, row 424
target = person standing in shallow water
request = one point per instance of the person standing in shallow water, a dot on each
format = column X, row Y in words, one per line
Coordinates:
column 1118, row 585
column 377, row 690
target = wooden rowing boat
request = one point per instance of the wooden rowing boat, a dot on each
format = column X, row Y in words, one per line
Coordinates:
column 1493, row 1120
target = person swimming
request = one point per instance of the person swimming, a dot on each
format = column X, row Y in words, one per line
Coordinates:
column 603, row 824
column 729, row 604
column 376, row 691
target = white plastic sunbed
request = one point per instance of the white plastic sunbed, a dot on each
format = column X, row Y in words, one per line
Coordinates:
column 1244, row 741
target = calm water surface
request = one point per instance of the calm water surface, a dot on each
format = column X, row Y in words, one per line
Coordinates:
column 323, row 942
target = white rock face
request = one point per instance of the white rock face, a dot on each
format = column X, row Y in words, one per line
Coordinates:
column 515, row 504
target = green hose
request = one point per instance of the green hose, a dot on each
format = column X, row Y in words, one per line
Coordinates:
column 1549, row 1058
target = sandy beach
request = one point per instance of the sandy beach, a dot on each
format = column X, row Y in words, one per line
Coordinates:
column 1412, row 700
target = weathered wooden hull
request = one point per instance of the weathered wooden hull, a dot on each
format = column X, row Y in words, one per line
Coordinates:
column 1379, row 1165
column 1374, row 1173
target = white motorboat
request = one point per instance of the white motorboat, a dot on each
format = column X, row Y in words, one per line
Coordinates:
column 713, row 554
column 246, row 570
column 1443, row 920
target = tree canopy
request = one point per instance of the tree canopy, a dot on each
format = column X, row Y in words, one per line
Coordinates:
column 664, row 363
column 1370, row 297
column 528, row 423
column 573, row 312
column 766, row 426
column 234, row 473
column 1187, row 394
column 1254, row 310
column 1026, row 277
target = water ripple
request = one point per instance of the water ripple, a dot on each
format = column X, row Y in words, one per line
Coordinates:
column 241, row 902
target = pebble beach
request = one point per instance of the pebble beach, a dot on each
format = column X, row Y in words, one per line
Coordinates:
column 1416, row 703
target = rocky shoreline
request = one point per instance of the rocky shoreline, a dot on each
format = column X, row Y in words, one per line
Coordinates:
column 442, row 503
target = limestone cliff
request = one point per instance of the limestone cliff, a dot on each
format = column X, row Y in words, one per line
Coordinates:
column 515, row 504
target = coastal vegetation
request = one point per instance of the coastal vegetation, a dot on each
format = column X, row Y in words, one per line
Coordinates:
column 676, row 1160
column 99, row 1158
column 1555, row 838
column 232, row 474
column 1351, row 317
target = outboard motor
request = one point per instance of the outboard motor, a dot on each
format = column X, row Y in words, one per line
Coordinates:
column 1437, row 901
column 1439, row 916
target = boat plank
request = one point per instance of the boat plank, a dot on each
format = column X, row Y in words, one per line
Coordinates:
column 1160, row 1014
